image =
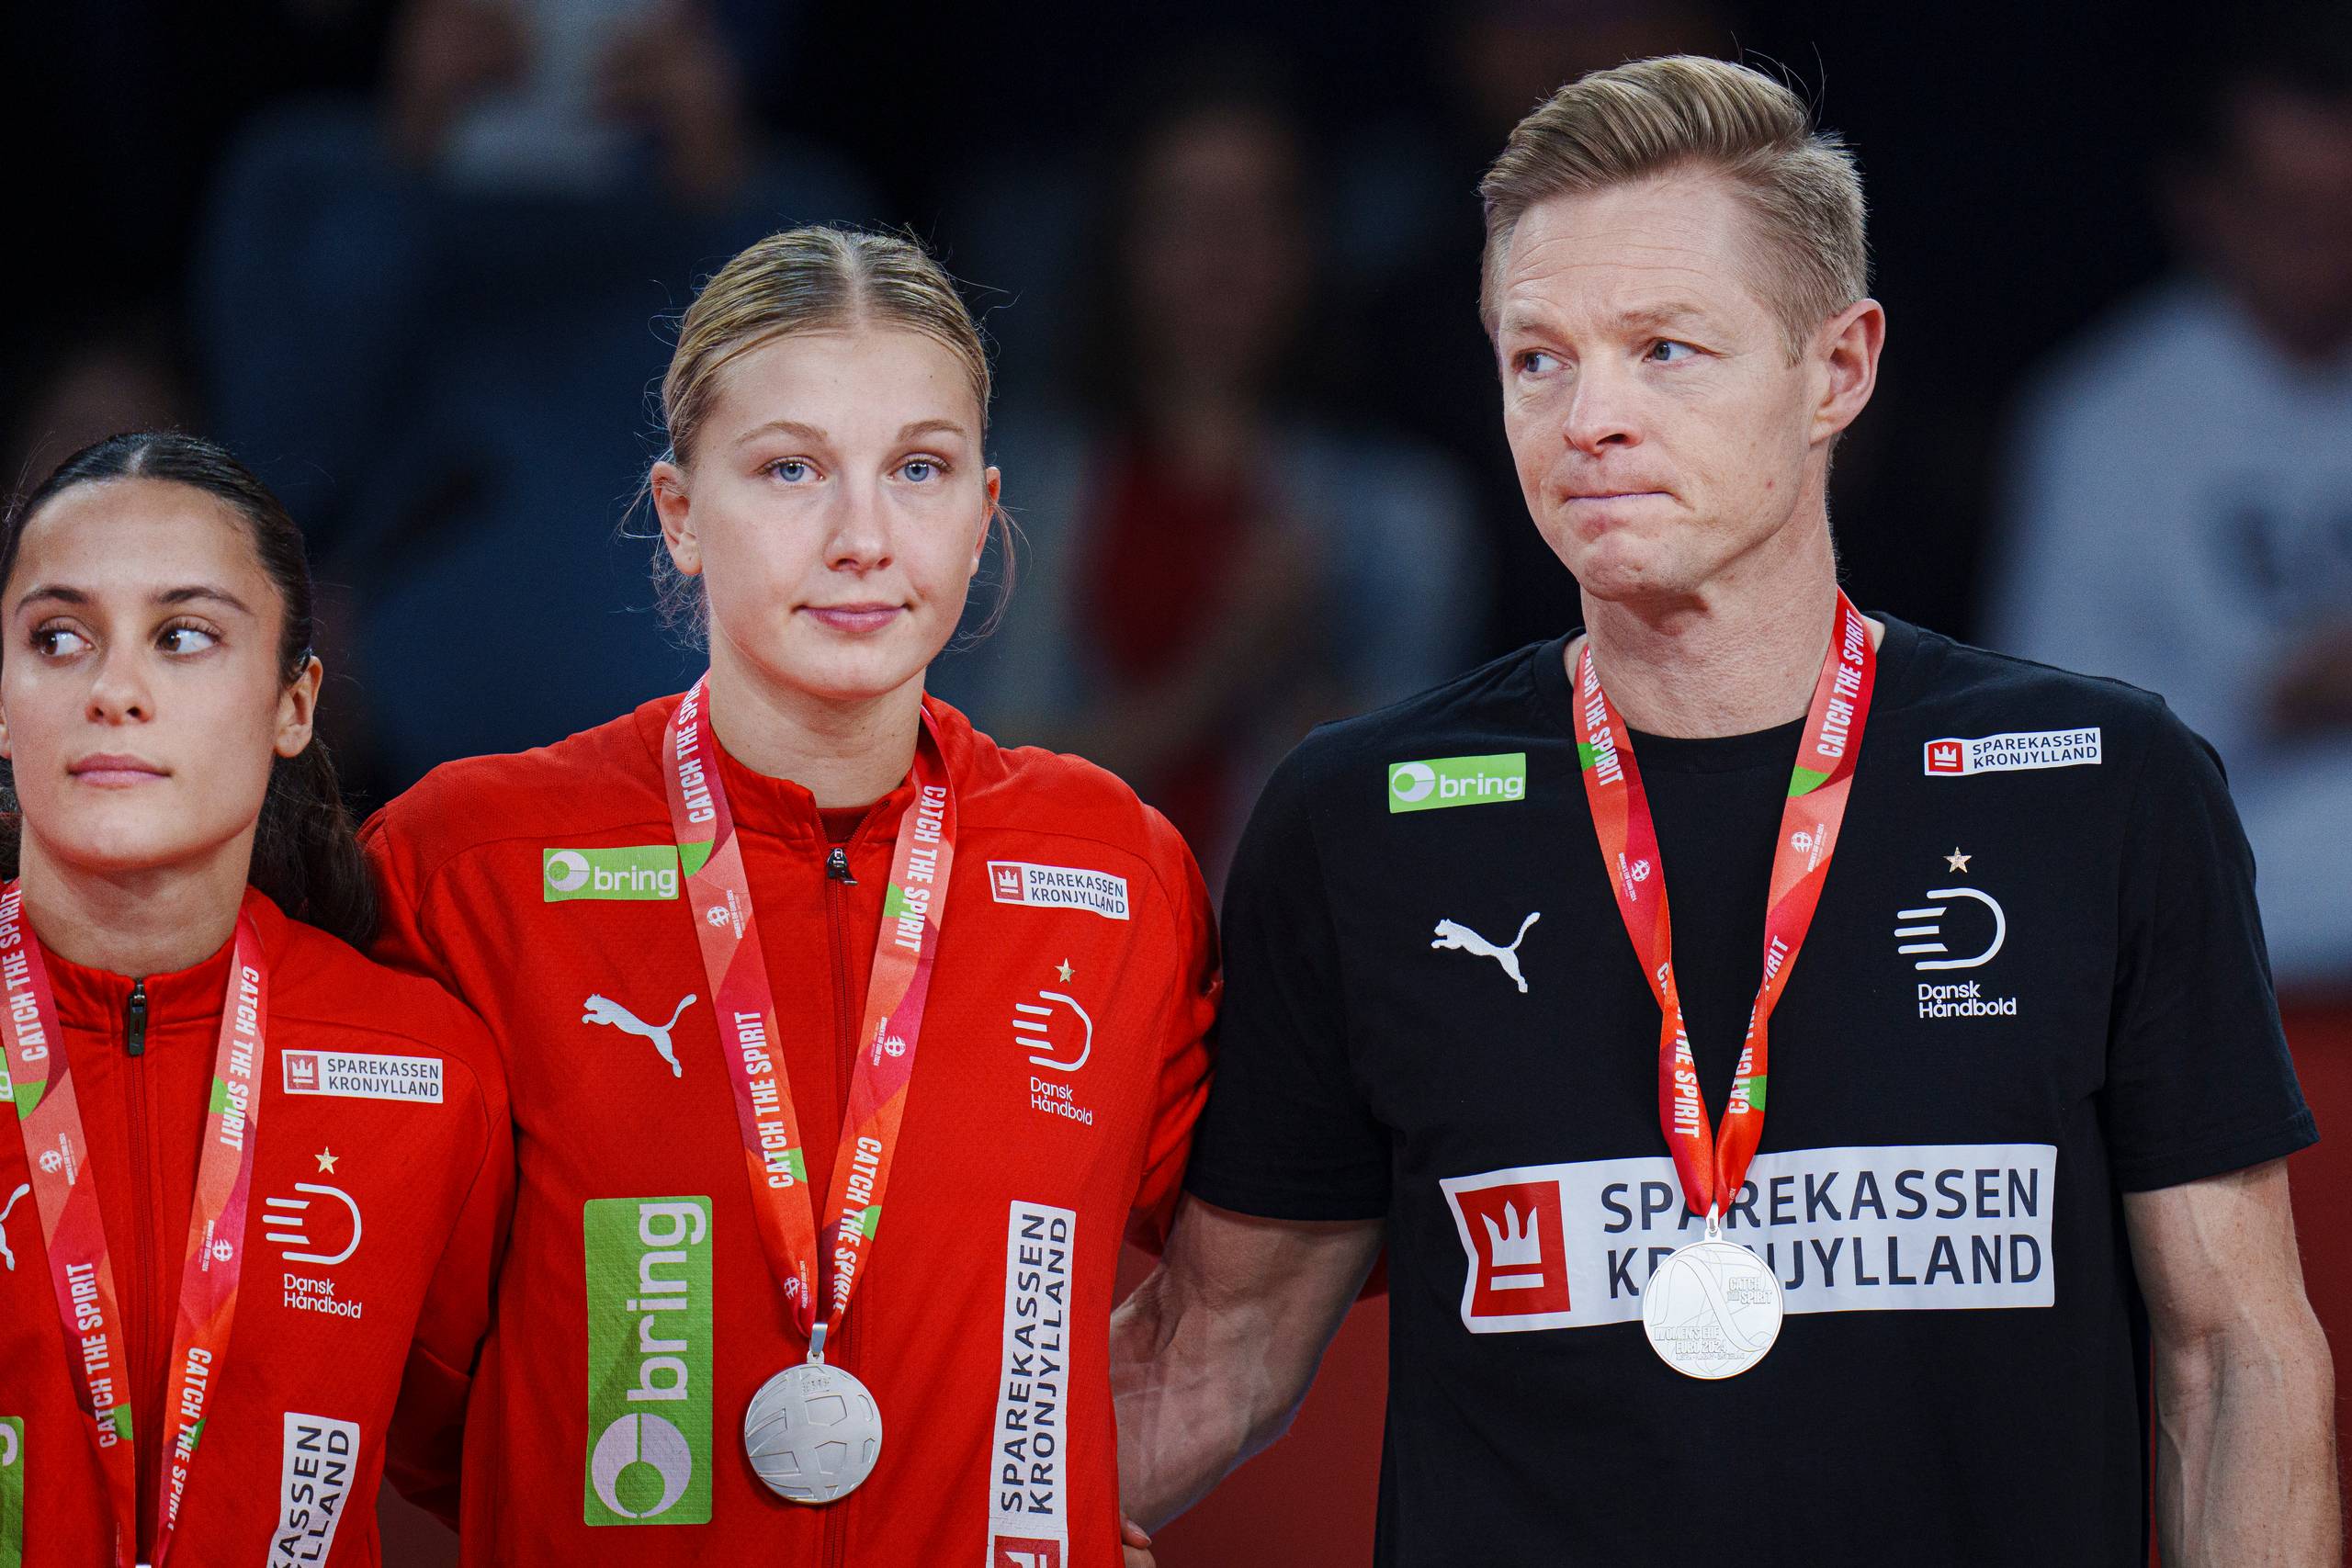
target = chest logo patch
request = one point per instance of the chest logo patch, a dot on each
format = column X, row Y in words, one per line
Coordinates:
column 1897, row 1228
column 355, row 1074
column 1454, row 936
column 628, row 871
column 1922, row 930
column 1440, row 782
column 1059, row 888
column 604, row 1009
column 2016, row 750
column 287, row 1223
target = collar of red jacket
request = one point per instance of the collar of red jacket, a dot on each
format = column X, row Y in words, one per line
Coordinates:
column 783, row 808
column 91, row 998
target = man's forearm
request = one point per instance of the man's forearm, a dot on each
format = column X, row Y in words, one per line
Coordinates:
column 1192, row 1401
column 2245, row 1450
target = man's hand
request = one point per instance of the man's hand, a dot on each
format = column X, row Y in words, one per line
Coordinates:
column 1135, row 1547
column 2246, row 1401
column 1212, row 1353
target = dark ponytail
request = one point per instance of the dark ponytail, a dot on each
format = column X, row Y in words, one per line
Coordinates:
column 306, row 853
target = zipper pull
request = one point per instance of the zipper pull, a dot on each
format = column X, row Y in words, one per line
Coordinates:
column 837, row 866
column 134, row 1021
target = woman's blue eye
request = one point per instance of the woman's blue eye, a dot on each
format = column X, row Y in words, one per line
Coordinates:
column 920, row 469
column 791, row 470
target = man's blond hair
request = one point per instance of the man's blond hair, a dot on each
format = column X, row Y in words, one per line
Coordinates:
column 1686, row 112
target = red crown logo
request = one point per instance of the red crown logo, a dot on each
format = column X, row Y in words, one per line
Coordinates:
column 1943, row 757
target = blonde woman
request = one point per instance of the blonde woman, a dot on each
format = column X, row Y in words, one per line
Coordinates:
column 796, row 947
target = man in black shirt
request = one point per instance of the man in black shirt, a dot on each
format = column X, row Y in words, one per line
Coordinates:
column 2021, row 1122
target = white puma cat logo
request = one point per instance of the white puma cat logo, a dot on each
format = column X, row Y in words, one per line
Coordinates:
column 13, row 1199
column 1453, row 934
column 604, row 1009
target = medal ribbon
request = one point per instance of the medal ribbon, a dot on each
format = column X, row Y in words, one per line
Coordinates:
column 40, row 1084
column 913, row 909
column 1712, row 1168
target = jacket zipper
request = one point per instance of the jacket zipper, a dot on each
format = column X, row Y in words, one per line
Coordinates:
column 837, row 876
column 146, row 1165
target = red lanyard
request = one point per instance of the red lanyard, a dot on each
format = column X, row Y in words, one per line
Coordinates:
column 913, row 910
column 1713, row 1168
column 49, row 1117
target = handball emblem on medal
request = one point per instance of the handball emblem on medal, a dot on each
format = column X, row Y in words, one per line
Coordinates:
column 813, row 1433
column 1711, row 1309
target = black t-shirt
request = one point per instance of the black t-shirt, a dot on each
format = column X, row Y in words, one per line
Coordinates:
column 2035, row 981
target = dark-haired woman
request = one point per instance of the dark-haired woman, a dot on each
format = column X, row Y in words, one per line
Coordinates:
column 254, row 1178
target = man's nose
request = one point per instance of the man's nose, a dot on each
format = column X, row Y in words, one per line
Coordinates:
column 1600, row 410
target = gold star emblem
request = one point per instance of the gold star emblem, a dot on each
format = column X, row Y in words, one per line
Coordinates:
column 1957, row 861
column 327, row 1160
column 1063, row 969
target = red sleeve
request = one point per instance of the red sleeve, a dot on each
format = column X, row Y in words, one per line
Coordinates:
column 426, row 1444
column 401, row 940
column 1185, row 1035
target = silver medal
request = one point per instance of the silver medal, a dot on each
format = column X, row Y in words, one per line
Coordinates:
column 1712, row 1309
column 813, row 1432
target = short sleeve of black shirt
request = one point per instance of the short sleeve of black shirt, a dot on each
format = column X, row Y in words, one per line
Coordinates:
column 2199, row 1080
column 1286, row 1134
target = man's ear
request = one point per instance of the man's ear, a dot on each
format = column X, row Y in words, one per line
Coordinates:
column 1846, row 353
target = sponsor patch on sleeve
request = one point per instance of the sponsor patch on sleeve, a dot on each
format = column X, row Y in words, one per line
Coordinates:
column 315, row 1482
column 1029, row 1456
column 1059, row 888
column 354, row 1075
column 2016, row 751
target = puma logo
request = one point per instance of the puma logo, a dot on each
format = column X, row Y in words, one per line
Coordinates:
column 1455, row 936
column 13, row 1199
column 604, row 1009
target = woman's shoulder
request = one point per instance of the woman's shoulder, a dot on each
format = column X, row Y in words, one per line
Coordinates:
column 599, row 778
column 325, row 995
column 1031, row 791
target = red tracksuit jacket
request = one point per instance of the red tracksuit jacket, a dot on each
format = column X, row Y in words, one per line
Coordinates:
column 543, row 890
column 384, row 1113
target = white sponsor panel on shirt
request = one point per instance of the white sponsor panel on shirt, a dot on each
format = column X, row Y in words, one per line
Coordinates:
column 1892, row 1228
column 1028, row 1450
column 2014, row 751
column 1059, row 888
column 315, row 1473
column 357, row 1075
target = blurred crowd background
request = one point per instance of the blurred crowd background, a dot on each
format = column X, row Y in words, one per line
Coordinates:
column 416, row 261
